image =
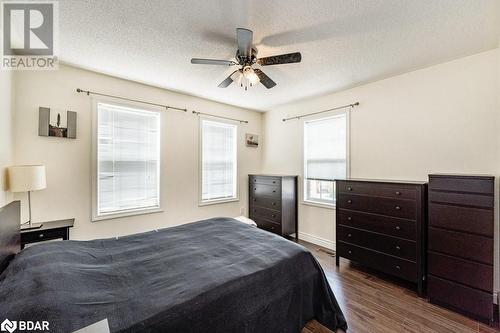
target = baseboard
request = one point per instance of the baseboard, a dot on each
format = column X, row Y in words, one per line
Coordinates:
column 317, row 240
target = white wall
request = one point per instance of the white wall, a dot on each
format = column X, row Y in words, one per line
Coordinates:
column 6, row 112
column 444, row 118
column 68, row 192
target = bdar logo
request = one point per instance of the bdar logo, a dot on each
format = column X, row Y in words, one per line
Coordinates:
column 8, row 326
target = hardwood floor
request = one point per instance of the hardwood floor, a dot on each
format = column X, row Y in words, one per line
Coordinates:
column 375, row 305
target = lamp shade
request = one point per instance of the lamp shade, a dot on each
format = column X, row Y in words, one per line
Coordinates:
column 24, row 178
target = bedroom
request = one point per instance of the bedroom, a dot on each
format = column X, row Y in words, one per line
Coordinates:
column 426, row 76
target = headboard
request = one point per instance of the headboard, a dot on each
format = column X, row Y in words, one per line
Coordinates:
column 10, row 241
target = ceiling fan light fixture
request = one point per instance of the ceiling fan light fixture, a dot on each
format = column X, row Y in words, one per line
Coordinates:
column 246, row 56
column 250, row 75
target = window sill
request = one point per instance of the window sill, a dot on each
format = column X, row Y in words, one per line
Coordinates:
column 127, row 214
column 319, row 205
column 215, row 202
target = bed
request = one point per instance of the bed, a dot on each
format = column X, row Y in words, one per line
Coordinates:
column 216, row 275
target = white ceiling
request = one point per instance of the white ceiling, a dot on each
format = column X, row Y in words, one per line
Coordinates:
column 343, row 43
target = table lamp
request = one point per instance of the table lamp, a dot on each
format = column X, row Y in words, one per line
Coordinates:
column 27, row 178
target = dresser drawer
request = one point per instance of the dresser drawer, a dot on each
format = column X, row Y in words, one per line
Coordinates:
column 395, row 266
column 378, row 190
column 466, row 246
column 474, row 220
column 466, row 272
column 385, row 206
column 466, row 300
column 382, row 224
column 265, row 202
column 263, row 190
column 265, row 180
column 267, row 225
column 483, row 185
column 484, row 201
column 390, row 245
column 268, row 214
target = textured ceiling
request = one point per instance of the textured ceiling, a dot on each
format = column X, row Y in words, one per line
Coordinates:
column 343, row 43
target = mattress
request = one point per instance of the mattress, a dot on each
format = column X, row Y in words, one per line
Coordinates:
column 216, row 275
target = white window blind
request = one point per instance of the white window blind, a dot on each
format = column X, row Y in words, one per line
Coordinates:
column 128, row 159
column 325, row 157
column 218, row 161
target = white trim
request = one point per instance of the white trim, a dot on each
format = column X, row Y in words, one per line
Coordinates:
column 495, row 297
column 302, row 187
column 317, row 240
column 200, row 168
column 93, row 167
column 132, row 212
column 317, row 204
column 217, row 201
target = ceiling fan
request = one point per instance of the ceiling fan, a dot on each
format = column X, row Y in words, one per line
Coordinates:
column 246, row 57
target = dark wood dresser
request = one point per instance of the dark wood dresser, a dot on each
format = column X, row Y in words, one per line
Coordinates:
column 381, row 224
column 273, row 203
column 460, row 250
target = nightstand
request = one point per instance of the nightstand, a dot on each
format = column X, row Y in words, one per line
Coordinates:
column 49, row 231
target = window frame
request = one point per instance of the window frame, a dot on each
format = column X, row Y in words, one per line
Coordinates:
column 303, row 194
column 236, row 198
column 94, row 160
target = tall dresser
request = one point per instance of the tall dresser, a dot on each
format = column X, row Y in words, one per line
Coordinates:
column 381, row 224
column 273, row 203
column 460, row 249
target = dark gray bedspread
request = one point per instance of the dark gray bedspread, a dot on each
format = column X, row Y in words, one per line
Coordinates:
column 217, row 275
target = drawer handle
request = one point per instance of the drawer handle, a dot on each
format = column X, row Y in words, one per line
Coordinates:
column 272, row 228
column 398, row 248
column 255, row 210
column 255, row 180
column 349, row 201
column 254, row 199
column 349, row 218
column 398, row 208
column 274, row 191
column 349, row 235
column 398, row 227
column 274, row 215
column 40, row 236
column 274, row 204
column 350, row 252
column 349, row 188
column 274, row 182
column 398, row 267
column 255, row 189
column 398, row 193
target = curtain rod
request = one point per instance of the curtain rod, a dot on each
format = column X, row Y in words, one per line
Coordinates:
column 221, row 117
column 88, row 92
column 311, row 114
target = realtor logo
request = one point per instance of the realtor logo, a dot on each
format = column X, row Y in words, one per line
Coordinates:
column 24, row 326
column 29, row 37
column 8, row 326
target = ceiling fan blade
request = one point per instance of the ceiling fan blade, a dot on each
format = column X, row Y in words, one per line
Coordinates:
column 227, row 81
column 264, row 79
column 244, row 38
column 280, row 59
column 200, row 61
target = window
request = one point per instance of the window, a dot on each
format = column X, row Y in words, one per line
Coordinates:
column 218, row 162
column 127, row 161
column 325, row 157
